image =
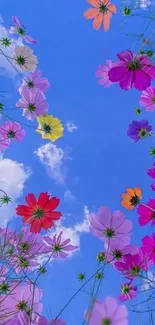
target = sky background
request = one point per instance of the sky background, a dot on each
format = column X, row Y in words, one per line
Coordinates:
column 90, row 166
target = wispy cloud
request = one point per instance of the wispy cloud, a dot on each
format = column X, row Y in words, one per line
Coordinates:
column 13, row 176
column 68, row 196
column 71, row 126
column 53, row 158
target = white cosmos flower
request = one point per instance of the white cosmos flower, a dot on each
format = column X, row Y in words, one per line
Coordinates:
column 24, row 58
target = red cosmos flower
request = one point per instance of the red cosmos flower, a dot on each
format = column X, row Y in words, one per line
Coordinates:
column 39, row 213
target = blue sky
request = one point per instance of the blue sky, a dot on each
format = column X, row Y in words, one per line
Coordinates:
column 97, row 161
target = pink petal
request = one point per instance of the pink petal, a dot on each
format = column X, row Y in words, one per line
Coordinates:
column 142, row 80
column 16, row 21
column 125, row 56
column 29, row 39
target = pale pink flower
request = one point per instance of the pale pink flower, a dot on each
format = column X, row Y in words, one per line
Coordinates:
column 117, row 250
column 33, row 103
column 147, row 98
column 24, row 58
column 108, row 312
column 20, row 30
column 110, row 226
column 4, row 143
column 34, row 81
column 103, row 73
column 58, row 246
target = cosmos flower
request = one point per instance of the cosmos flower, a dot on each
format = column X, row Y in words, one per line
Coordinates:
column 23, row 263
column 117, row 250
column 132, row 70
column 128, row 291
column 39, row 213
column 3, row 273
column 149, row 245
column 20, row 302
column 101, row 13
column 35, row 81
column 24, row 58
column 139, row 130
column 50, row 127
column 110, row 226
column 132, row 265
column 58, row 246
column 131, row 198
column 153, row 186
column 103, row 73
column 12, row 131
column 29, row 243
column 147, row 213
column 108, row 312
column 20, row 30
column 33, row 103
column 151, row 172
column 147, row 98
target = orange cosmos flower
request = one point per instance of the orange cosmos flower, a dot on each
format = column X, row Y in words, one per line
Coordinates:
column 101, row 12
column 131, row 198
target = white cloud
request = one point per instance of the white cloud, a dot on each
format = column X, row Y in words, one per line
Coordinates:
column 13, row 176
column 53, row 159
column 68, row 196
column 71, row 126
column 5, row 65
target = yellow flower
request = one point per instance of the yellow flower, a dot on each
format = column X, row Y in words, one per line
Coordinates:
column 50, row 127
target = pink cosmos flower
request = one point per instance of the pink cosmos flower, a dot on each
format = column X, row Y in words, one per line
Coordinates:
column 23, row 262
column 19, row 302
column 117, row 250
column 148, row 246
column 133, row 265
column 57, row 246
column 147, row 213
column 147, row 98
column 30, row 244
column 127, row 292
column 103, row 73
column 35, row 81
column 12, row 131
column 108, row 312
column 132, row 71
column 109, row 226
column 20, row 30
column 33, row 103
column 151, row 172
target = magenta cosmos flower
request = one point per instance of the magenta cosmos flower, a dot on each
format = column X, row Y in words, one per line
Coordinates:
column 117, row 250
column 108, row 312
column 127, row 292
column 33, row 103
column 20, row 30
column 147, row 98
column 57, row 246
column 12, row 131
column 148, row 246
column 20, row 302
column 132, row 71
column 139, row 130
column 151, row 172
column 103, row 73
column 146, row 213
column 30, row 244
column 133, row 265
column 35, row 81
column 109, row 226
